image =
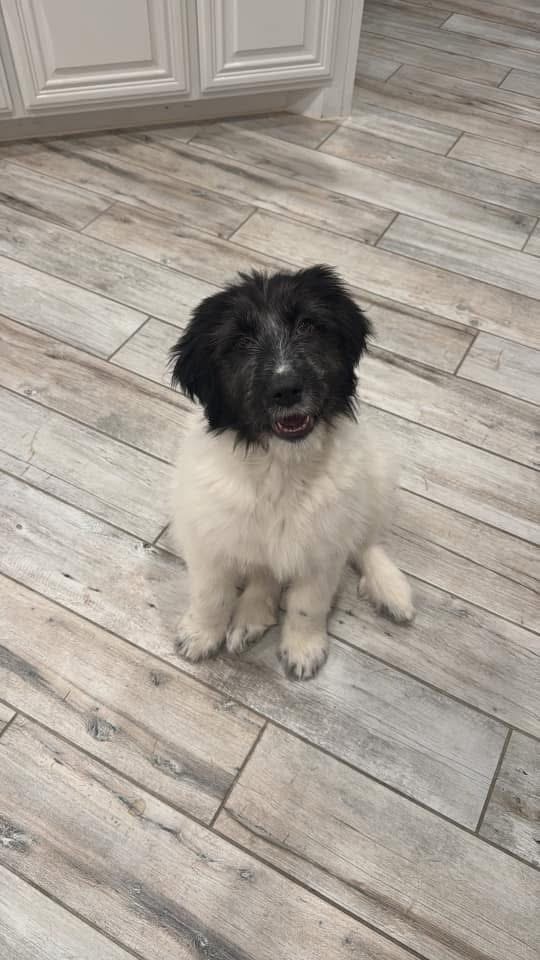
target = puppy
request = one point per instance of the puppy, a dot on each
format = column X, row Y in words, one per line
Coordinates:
column 277, row 482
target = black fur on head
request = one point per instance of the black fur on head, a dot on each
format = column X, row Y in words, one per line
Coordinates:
column 273, row 354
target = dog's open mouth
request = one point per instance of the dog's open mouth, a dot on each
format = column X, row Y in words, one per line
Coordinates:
column 294, row 427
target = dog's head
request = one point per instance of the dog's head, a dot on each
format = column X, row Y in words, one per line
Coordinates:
column 273, row 355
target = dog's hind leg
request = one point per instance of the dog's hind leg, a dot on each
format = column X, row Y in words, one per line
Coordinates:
column 256, row 611
column 384, row 584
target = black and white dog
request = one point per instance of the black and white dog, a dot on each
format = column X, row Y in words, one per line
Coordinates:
column 277, row 483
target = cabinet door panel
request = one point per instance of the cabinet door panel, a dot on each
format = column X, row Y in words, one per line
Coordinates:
column 71, row 53
column 5, row 99
column 250, row 43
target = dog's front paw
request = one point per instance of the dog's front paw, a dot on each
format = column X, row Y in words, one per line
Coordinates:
column 252, row 618
column 242, row 635
column 196, row 643
column 303, row 656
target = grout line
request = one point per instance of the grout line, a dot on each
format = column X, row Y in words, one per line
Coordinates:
column 493, row 781
column 254, row 209
column 8, row 724
column 445, row 21
column 387, row 228
column 159, row 536
column 130, row 337
column 97, row 216
column 523, row 250
column 324, row 139
column 86, row 921
column 391, row 75
column 456, row 141
column 239, row 772
column 474, row 338
column 507, row 74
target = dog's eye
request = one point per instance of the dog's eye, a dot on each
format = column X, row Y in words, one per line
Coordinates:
column 304, row 325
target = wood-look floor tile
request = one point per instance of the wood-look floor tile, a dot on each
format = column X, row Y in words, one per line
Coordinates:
column 148, row 876
column 506, row 366
column 65, row 310
column 467, row 256
column 486, row 29
column 84, row 467
column 48, row 198
column 401, row 128
column 151, row 723
column 100, row 395
column 515, row 106
column 420, row 55
column 207, row 259
column 467, row 113
column 512, row 818
column 520, row 81
column 376, row 68
column 478, row 47
column 48, row 931
column 293, row 127
column 422, row 881
column 498, row 156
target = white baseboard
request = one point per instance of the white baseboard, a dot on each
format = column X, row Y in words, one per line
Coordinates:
column 186, row 111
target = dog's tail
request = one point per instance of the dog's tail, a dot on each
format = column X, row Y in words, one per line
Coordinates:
column 384, row 584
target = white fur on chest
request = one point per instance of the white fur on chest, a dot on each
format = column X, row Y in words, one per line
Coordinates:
column 284, row 508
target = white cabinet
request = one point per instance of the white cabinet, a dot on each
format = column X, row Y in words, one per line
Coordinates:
column 5, row 99
column 72, row 53
column 247, row 43
column 81, row 64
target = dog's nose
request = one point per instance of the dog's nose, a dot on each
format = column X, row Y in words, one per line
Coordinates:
column 286, row 388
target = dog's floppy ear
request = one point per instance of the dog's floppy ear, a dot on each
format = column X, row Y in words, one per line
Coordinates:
column 191, row 355
column 351, row 323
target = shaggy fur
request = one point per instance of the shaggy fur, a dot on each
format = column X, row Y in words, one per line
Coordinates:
column 277, row 483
